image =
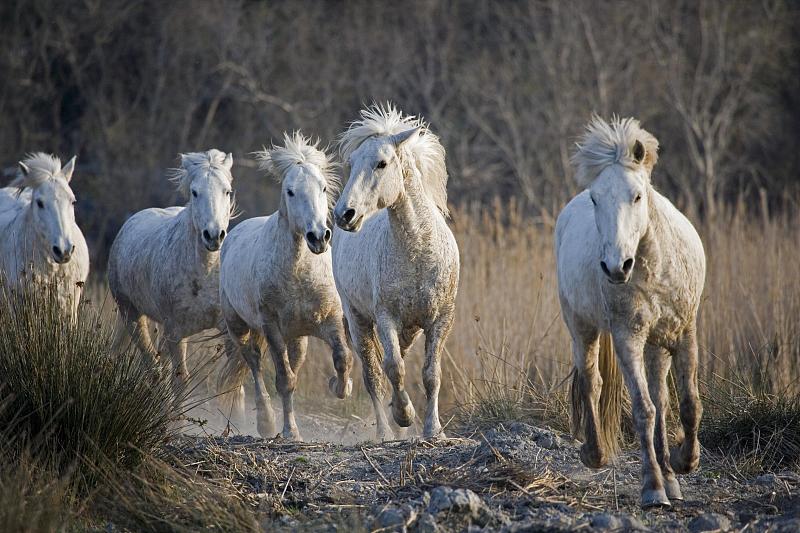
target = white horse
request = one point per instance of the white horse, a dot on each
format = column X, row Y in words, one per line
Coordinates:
column 276, row 282
column 396, row 264
column 164, row 263
column 631, row 270
column 41, row 241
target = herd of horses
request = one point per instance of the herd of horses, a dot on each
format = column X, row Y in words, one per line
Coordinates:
column 371, row 267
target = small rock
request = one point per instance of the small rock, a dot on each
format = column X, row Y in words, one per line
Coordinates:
column 548, row 441
column 709, row 522
column 624, row 522
column 395, row 518
column 605, row 521
column 767, row 480
column 391, row 519
column 426, row 524
column 458, row 500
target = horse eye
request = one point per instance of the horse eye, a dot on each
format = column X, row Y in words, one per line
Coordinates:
column 194, row 193
column 289, row 192
column 381, row 164
column 638, row 197
column 324, row 189
column 40, row 204
column 229, row 193
column 593, row 200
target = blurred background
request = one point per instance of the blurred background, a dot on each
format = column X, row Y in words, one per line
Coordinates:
column 508, row 86
column 127, row 85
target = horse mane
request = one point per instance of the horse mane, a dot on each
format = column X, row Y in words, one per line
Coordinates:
column 298, row 149
column 426, row 150
column 605, row 144
column 41, row 168
column 193, row 163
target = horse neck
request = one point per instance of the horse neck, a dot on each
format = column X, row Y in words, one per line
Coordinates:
column 35, row 252
column 411, row 216
column 289, row 240
column 650, row 247
column 204, row 259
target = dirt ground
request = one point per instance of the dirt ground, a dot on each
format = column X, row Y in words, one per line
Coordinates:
column 513, row 478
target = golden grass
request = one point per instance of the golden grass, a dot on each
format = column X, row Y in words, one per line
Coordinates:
column 509, row 343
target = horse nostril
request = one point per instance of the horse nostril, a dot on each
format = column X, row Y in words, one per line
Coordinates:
column 221, row 234
column 605, row 268
column 57, row 251
column 627, row 265
column 327, row 235
column 310, row 237
column 348, row 215
column 206, row 235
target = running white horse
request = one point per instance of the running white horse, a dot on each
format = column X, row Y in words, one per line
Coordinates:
column 276, row 283
column 164, row 263
column 41, row 240
column 396, row 264
column 631, row 270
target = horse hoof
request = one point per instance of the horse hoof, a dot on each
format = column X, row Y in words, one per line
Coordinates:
column 673, row 489
column 292, row 434
column 655, row 498
column 339, row 391
column 403, row 413
column 434, row 436
column 266, row 426
column 592, row 457
column 679, row 463
column 384, row 435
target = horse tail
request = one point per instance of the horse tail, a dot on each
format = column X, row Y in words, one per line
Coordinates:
column 611, row 396
column 607, row 431
column 230, row 386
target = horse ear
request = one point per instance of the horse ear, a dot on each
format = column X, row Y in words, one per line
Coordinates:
column 23, row 168
column 228, row 163
column 399, row 138
column 69, row 168
column 638, row 151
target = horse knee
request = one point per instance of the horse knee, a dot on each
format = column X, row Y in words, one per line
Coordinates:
column 691, row 411
column 432, row 377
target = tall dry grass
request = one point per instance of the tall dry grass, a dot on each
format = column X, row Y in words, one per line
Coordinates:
column 509, row 351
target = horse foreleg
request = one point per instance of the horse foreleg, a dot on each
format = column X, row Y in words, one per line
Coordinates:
column 432, row 374
column 686, row 458
column 402, row 409
column 180, row 372
column 363, row 340
column 341, row 384
column 630, row 351
column 285, row 378
column 657, row 362
column 585, row 397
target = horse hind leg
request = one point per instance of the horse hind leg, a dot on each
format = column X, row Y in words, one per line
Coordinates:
column 657, row 362
column 686, row 458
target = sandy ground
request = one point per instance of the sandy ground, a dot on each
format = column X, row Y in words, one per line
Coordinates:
column 514, row 477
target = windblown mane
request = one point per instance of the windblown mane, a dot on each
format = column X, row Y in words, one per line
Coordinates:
column 41, row 167
column 605, row 144
column 298, row 149
column 426, row 149
column 195, row 162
